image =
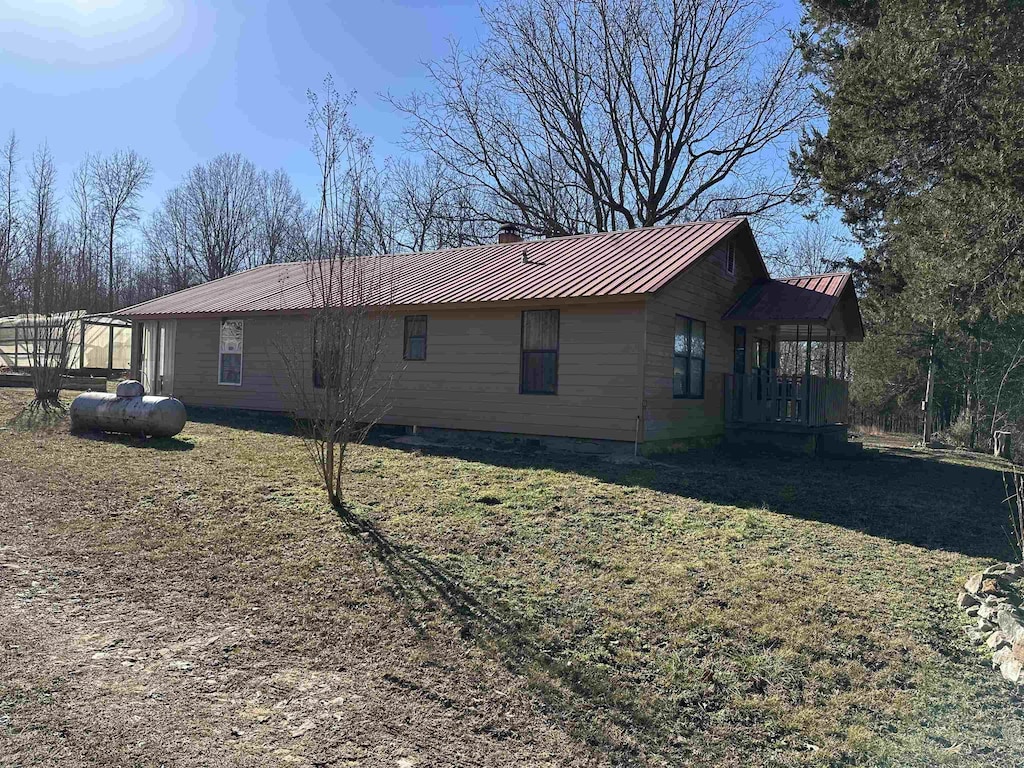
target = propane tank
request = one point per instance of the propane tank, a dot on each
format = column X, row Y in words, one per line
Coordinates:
column 130, row 411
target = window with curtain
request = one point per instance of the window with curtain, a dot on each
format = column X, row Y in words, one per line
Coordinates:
column 688, row 358
column 539, row 365
column 415, row 346
column 230, row 368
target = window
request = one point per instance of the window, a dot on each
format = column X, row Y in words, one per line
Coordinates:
column 415, row 347
column 688, row 358
column 730, row 258
column 539, row 365
column 230, row 352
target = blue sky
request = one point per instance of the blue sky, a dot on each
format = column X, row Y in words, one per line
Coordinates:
column 182, row 81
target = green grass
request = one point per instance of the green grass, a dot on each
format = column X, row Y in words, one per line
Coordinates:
column 707, row 609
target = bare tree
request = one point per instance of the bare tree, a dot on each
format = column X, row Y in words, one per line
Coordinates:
column 166, row 237
column 816, row 247
column 430, row 208
column 220, row 212
column 338, row 388
column 280, row 205
column 47, row 329
column 579, row 115
column 86, row 262
column 118, row 182
column 9, row 224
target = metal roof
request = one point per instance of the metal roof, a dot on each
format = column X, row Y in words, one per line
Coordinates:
column 628, row 262
column 804, row 299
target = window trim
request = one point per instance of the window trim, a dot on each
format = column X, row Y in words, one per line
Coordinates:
column 688, row 357
column 730, row 258
column 523, row 351
column 406, row 337
column 221, row 352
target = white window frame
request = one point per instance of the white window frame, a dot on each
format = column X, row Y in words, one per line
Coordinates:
column 221, row 352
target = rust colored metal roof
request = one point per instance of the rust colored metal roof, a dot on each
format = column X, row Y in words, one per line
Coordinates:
column 628, row 262
column 805, row 299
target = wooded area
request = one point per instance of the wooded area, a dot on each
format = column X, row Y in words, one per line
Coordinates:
column 573, row 116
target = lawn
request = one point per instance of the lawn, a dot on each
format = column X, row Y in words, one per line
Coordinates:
column 193, row 601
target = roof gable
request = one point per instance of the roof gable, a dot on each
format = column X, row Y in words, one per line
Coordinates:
column 627, row 262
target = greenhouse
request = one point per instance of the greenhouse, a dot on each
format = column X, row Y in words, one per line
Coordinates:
column 77, row 340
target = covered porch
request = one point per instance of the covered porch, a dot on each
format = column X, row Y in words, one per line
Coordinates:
column 795, row 378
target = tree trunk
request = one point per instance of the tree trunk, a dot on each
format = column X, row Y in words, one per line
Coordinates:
column 929, row 386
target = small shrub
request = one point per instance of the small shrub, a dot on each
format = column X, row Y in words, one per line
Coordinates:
column 958, row 434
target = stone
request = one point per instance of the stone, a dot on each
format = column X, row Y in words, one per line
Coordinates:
column 976, row 636
column 972, row 610
column 987, row 611
column 1010, row 625
column 1017, row 650
column 996, row 569
column 1010, row 669
column 966, row 600
column 984, row 625
column 1000, row 656
column 973, row 584
column 990, row 587
column 997, row 640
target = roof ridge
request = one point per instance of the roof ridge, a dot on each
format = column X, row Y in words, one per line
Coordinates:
column 837, row 273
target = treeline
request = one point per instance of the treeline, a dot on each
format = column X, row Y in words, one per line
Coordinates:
column 85, row 243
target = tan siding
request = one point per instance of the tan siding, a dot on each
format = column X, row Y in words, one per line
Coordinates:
column 470, row 379
column 703, row 292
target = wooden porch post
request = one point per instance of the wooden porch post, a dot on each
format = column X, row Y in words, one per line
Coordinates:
column 807, row 379
column 828, row 353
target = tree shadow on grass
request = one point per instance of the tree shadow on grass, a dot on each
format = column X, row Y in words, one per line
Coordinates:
column 905, row 496
column 587, row 700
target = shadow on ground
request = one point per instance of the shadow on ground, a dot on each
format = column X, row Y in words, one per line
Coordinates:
column 904, row 495
column 137, row 441
column 584, row 699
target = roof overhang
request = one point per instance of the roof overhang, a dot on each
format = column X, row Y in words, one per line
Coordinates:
column 821, row 307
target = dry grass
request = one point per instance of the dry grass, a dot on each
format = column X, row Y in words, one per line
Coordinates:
column 194, row 602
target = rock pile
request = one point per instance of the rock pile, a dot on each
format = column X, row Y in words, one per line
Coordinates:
column 994, row 599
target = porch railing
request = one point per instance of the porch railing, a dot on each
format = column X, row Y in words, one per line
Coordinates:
column 763, row 398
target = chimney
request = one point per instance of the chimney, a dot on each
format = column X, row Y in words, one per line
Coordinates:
column 509, row 233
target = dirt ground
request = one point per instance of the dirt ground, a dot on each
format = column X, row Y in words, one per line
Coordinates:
column 193, row 602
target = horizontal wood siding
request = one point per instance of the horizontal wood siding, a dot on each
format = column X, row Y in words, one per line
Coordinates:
column 469, row 380
column 704, row 292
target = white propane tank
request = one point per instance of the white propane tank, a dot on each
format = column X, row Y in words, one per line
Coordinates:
column 130, row 411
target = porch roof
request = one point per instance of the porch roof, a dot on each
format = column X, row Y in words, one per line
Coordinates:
column 827, row 303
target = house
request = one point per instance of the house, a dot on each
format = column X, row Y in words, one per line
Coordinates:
column 648, row 336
